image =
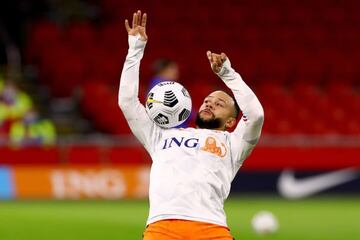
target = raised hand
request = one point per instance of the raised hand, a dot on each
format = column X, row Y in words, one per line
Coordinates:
column 216, row 60
column 138, row 25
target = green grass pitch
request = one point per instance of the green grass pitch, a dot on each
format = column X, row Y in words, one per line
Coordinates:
column 321, row 218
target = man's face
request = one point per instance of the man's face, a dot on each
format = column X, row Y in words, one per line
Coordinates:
column 216, row 110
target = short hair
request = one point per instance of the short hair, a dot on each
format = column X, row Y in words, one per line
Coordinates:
column 236, row 105
column 161, row 64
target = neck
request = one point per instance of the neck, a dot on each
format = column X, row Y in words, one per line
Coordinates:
column 217, row 129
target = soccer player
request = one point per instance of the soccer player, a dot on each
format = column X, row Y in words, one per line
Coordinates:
column 192, row 168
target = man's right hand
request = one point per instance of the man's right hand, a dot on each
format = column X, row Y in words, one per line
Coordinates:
column 138, row 26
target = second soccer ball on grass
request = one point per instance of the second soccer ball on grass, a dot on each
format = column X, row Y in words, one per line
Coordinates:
column 264, row 223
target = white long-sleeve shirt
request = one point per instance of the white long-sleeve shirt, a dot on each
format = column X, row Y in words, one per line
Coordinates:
column 192, row 169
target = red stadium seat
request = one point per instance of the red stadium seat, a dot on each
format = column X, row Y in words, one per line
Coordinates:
column 40, row 33
column 113, row 39
column 104, row 65
column 81, row 35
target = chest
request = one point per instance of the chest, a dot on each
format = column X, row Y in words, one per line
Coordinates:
column 197, row 144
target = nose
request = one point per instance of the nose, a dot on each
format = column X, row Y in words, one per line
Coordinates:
column 209, row 105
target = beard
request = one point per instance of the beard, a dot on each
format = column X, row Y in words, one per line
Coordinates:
column 213, row 123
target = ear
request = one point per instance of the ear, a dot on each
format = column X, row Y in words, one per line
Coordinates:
column 230, row 123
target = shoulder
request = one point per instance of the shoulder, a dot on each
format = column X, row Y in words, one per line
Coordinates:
column 221, row 133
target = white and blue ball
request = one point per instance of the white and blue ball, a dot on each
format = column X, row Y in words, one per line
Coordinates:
column 168, row 104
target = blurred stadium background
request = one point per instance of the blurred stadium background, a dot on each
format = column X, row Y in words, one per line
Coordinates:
column 63, row 138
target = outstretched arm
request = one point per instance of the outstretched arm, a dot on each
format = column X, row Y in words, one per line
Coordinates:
column 248, row 130
column 141, row 125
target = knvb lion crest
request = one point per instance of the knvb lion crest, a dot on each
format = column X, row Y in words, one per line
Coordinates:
column 212, row 147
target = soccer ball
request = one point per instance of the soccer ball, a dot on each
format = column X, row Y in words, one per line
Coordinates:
column 264, row 223
column 168, row 104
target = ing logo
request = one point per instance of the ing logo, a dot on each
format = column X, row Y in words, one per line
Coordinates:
column 211, row 147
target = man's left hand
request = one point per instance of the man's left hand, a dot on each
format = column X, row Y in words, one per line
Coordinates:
column 216, row 60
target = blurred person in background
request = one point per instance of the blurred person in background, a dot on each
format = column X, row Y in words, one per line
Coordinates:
column 20, row 123
column 4, row 126
column 14, row 104
column 32, row 130
column 165, row 70
column 17, row 101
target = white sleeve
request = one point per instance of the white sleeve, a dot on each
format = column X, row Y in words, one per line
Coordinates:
column 140, row 124
column 247, row 132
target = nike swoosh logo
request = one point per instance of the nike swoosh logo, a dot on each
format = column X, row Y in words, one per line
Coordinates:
column 290, row 187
